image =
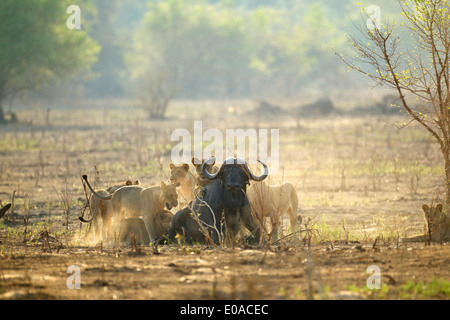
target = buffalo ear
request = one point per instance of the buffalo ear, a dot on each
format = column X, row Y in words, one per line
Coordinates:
column 440, row 206
column 425, row 208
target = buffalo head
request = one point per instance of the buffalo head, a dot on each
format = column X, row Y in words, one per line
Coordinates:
column 234, row 175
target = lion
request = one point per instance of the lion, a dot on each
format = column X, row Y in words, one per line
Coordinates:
column 105, row 209
column 136, row 201
column 135, row 227
column 437, row 225
column 182, row 175
column 274, row 202
column 201, row 180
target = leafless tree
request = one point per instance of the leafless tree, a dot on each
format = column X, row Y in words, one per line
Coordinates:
column 411, row 56
column 157, row 92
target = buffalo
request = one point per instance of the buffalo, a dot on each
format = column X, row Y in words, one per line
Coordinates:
column 225, row 197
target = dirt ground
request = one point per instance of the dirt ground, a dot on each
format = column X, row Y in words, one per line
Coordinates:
column 199, row 273
column 361, row 183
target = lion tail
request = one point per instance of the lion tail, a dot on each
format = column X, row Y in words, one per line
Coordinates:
column 97, row 195
column 94, row 214
column 4, row 209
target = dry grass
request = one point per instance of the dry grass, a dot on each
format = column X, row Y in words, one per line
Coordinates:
column 360, row 182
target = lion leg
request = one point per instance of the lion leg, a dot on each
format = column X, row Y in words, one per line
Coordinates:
column 107, row 228
column 106, row 222
column 144, row 238
column 249, row 222
column 275, row 222
column 94, row 209
column 293, row 219
column 421, row 238
column 88, row 230
column 96, row 230
column 118, row 215
column 149, row 225
column 124, row 232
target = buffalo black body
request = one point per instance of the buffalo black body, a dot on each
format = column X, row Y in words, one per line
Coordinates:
column 224, row 202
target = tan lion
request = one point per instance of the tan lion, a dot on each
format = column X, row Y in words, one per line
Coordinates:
column 437, row 225
column 182, row 175
column 135, row 201
column 105, row 209
column 273, row 202
column 135, row 227
column 201, row 181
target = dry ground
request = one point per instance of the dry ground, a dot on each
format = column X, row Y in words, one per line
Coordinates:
column 360, row 181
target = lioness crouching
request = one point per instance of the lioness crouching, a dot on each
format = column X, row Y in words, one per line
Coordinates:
column 437, row 225
column 135, row 227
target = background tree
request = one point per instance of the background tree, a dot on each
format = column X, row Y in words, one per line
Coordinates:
column 37, row 47
column 192, row 48
column 234, row 49
column 412, row 57
column 110, row 65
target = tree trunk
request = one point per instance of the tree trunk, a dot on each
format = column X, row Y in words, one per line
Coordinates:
column 447, row 176
column 2, row 116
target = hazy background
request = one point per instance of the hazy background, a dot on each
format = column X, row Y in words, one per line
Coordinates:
column 217, row 49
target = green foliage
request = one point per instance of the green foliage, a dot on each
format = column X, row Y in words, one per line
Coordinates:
column 227, row 49
column 200, row 49
column 37, row 46
column 437, row 288
column 185, row 40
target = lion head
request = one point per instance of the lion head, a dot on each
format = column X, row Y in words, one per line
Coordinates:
column 170, row 195
column 202, row 180
column 113, row 188
column 162, row 222
column 178, row 173
column 433, row 216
